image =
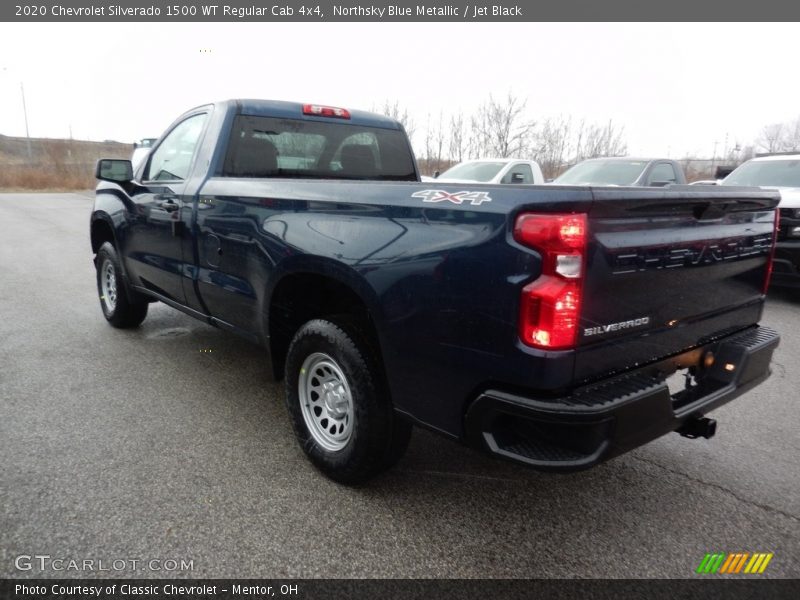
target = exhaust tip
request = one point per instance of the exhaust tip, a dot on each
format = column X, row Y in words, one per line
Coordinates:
column 697, row 427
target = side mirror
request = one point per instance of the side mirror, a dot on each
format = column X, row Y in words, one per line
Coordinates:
column 660, row 183
column 517, row 178
column 114, row 169
column 435, row 174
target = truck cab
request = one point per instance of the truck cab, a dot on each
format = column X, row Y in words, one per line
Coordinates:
column 494, row 170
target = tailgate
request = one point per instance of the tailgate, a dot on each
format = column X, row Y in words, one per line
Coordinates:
column 669, row 270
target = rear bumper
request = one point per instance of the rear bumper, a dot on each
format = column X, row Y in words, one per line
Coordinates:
column 608, row 418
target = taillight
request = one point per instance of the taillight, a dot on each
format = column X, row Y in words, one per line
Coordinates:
column 771, row 259
column 325, row 111
column 550, row 306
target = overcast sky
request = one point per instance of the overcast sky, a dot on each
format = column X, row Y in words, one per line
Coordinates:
column 676, row 88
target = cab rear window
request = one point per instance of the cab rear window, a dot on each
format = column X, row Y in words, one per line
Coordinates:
column 298, row 148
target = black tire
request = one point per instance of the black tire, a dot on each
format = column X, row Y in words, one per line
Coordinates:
column 118, row 308
column 378, row 438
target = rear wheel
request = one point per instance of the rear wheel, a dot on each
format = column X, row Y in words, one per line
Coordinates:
column 118, row 308
column 337, row 399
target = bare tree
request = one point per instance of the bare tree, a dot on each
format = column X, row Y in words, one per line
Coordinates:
column 553, row 144
column 429, row 141
column 439, row 140
column 779, row 137
column 771, row 138
column 435, row 136
column 395, row 112
column 478, row 141
column 791, row 137
column 560, row 142
column 503, row 127
column 596, row 141
column 458, row 147
column 475, row 142
column 614, row 137
column 734, row 155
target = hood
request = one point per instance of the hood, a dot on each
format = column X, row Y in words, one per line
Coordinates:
column 790, row 196
column 451, row 180
column 601, row 184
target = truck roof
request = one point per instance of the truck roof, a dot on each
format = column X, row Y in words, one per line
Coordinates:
column 502, row 160
column 781, row 156
column 629, row 158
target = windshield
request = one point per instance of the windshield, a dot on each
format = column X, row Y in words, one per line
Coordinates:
column 603, row 172
column 474, row 171
column 768, row 173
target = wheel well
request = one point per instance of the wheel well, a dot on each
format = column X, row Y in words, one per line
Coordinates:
column 300, row 298
column 101, row 232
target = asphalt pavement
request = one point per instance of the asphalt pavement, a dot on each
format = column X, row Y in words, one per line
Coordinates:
column 166, row 447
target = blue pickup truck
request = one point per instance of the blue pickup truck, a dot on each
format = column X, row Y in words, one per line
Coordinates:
column 555, row 326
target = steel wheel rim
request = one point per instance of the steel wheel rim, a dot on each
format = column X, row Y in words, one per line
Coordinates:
column 108, row 284
column 326, row 401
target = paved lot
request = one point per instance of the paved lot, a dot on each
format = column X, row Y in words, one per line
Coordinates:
column 137, row 445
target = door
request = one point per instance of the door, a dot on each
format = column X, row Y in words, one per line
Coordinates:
column 153, row 247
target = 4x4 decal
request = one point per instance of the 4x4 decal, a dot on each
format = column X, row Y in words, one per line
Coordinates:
column 474, row 198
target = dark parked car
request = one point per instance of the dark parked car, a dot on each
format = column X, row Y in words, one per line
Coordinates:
column 648, row 172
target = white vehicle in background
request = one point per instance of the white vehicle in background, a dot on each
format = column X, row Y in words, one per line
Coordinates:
column 778, row 172
column 140, row 150
column 494, row 170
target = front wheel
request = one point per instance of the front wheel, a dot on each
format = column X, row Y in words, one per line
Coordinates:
column 118, row 309
column 337, row 399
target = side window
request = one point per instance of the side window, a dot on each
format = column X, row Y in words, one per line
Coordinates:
column 173, row 157
column 663, row 172
column 519, row 173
